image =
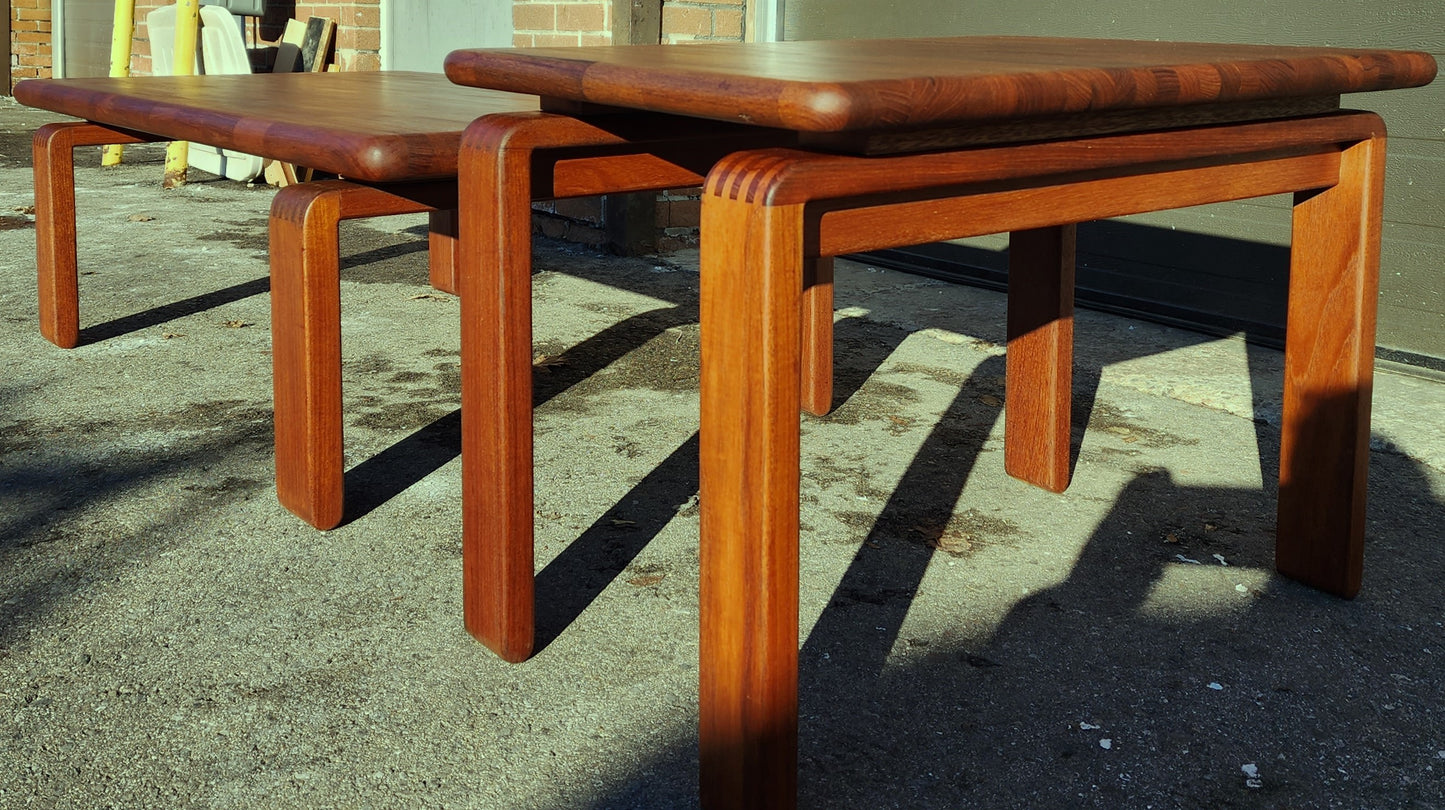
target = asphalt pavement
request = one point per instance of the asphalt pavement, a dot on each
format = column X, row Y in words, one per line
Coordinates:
column 171, row 637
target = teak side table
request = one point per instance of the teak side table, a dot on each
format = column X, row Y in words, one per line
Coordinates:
column 1023, row 135
column 394, row 137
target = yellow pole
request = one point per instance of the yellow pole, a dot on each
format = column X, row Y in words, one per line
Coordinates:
column 183, row 64
column 120, row 36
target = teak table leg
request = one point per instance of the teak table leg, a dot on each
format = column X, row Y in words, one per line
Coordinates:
column 503, row 166
column 306, row 330
column 754, row 230
column 818, row 336
column 306, row 351
column 52, row 149
column 496, row 290
column 1040, row 356
column 752, row 276
column 1329, row 363
column 442, row 250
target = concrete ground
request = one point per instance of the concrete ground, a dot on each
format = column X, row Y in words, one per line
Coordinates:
column 171, row 637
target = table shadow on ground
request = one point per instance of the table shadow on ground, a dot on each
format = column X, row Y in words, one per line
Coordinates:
column 1096, row 692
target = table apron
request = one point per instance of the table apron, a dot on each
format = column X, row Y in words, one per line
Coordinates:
column 1055, row 201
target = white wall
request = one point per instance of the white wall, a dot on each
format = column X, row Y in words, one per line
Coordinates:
column 418, row 34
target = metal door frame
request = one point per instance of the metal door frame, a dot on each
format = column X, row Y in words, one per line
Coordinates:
column 765, row 20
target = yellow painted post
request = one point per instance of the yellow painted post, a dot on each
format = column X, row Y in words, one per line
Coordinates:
column 121, row 33
column 183, row 63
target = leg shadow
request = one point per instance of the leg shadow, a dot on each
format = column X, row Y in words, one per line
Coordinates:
column 879, row 585
column 576, row 577
column 169, row 312
column 390, row 472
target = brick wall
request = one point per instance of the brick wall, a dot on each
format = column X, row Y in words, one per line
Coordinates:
column 29, row 39
column 553, row 23
column 702, row 21
column 358, row 28
column 358, row 33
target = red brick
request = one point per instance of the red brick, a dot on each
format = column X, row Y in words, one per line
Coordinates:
column 555, row 40
column 359, row 39
column 582, row 17
column 534, row 16
column 368, row 17
column 695, row 22
column 727, row 24
column 362, row 62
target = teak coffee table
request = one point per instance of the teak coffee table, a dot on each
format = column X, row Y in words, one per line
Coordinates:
column 394, row 137
column 911, row 141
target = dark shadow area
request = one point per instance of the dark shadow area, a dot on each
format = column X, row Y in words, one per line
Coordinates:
column 576, row 577
column 1211, row 284
column 1285, row 679
column 51, row 504
column 169, row 312
column 354, row 267
column 886, row 571
column 1145, row 678
column 860, row 347
column 387, row 474
column 355, row 260
column 1208, row 285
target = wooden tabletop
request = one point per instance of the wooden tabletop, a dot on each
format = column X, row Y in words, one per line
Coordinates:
column 373, row 126
column 847, row 85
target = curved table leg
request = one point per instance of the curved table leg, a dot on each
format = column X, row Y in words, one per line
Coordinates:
column 496, row 291
column 306, row 350
column 52, row 149
column 306, row 330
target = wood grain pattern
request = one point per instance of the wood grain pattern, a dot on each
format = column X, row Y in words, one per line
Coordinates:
column 1329, row 367
column 934, row 138
column 53, row 161
column 755, row 233
column 371, row 126
column 752, row 277
column 442, row 250
column 818, row 336
column 1038, row 387
column 823, row 86
column 306, row 330
column 800, row 175
column 496, row 290
column 506, row 161
column 1070, row 199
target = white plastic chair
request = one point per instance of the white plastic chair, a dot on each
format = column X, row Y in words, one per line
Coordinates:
column 222, row 52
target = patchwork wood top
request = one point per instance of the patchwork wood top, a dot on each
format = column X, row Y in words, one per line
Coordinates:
column 371, row 126
column 847, row 85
